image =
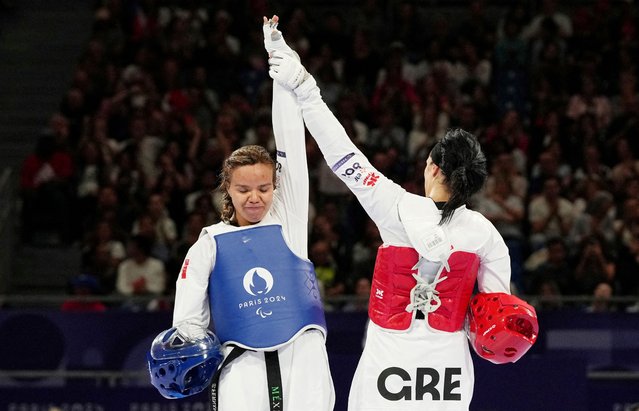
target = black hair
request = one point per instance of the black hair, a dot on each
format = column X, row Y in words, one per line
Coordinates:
column 144, row 244
column 463, row 164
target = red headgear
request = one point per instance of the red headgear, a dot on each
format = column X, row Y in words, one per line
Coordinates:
column 501, row 327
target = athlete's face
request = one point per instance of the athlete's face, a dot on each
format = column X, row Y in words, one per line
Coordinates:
column 251, row 190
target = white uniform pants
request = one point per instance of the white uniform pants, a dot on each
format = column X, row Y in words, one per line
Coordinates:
column 306, row 379
column 421, row 369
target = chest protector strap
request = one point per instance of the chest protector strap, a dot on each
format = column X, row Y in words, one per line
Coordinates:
column 393, row 280
column 261, row 294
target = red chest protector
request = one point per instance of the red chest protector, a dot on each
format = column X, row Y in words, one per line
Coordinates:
column 393, row 281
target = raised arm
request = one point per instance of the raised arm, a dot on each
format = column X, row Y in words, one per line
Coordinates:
column 391, row 208
column 291, row 196
column 377, row 194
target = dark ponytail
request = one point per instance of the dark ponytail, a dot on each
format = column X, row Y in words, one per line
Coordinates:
column 463, row 164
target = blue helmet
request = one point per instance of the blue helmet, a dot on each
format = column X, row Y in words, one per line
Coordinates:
column 179, row 367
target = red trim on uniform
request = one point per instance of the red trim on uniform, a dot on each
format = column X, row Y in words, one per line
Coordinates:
column 185, row 267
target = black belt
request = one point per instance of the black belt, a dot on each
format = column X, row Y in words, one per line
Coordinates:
column 273, row 378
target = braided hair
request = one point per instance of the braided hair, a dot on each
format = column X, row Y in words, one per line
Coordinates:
column 463, row 164
column 243, row 156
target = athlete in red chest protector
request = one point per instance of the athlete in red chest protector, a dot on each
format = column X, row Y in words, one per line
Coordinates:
column 435, row 250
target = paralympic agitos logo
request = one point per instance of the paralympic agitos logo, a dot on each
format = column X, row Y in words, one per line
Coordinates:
column 259, row 282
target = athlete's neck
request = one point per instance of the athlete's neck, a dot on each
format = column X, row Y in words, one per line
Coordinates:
column 439, row 194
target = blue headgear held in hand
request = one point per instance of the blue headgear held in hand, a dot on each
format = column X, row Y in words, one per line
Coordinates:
column 181, row 368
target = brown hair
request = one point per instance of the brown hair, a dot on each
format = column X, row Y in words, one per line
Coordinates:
column 243, row 156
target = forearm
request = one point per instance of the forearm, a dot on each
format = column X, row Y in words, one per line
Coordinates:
column 377, row 194
column 292, row 194
column 327, row 131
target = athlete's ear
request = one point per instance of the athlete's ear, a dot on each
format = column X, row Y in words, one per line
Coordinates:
column 433, row 169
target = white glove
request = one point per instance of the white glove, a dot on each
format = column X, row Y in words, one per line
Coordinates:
column 286, row 70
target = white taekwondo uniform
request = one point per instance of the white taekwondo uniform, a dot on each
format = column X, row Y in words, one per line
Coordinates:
column 305, row 373
column 414, row 366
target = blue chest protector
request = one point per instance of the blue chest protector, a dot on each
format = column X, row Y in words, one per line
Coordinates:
column 261, row 294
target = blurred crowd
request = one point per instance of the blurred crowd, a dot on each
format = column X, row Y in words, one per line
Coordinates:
column 127, row 169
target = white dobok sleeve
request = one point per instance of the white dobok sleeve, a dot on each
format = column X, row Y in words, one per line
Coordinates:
column 378, row 195
column 290, row 200
column 494, row 271
column 191, row 310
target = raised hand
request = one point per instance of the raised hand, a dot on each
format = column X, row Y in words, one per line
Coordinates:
column 273, row 39
column 286, row 70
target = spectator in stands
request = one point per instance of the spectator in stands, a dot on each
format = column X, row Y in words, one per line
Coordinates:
column 145, row 148
column 472, row 66
column 102, row 253
column 550, row 214
column 394, row 94
column 590, row 100
column 74, row 109
column 113, row 209
column 203, row 50
column 550, row 11
column 549, row 165
column 163, row 224
column 601, row 299
column 46, row 186
column 361, row 295
column 329, row 188
column 628, row 249
column 387, row 134
column 362, row 63
column 509, row 135
column 261, row 131
column 549, row 55
column 331, row 33
column 548, row 296
column 503, row 167
column 627, row 165
column 594, row 265
column 168, row 188
column 328, row 73
column 554, row 273
column 506, row 211
column 205, row 100
column 429, row 126
column 128, row 180
column 91, row 172
column 510, row 70
column 598, row 218
column 144, row 226
column 206, row 185
column 547, row 129
column 139, row 273
column 80, row 286
column 591, row 165
column 365, row 250
column 326, row 269
column 407, row 25
column 626, row 99
column 349, row 106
